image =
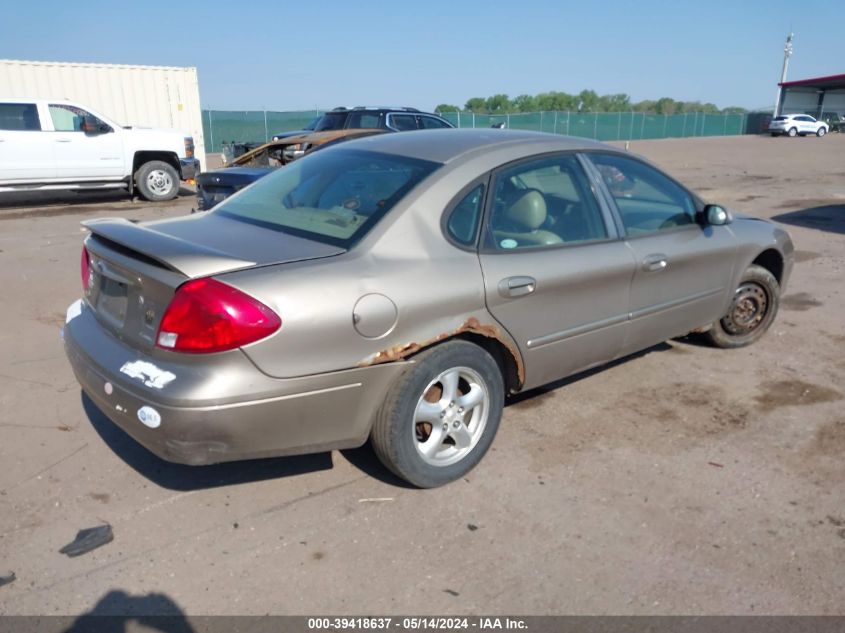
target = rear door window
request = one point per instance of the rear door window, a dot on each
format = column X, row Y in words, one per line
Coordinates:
column 544, row 202
column 21, row 117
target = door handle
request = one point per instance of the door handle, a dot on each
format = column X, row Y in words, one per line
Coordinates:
column 655, row 263
column 517, row 286
column 62, row 140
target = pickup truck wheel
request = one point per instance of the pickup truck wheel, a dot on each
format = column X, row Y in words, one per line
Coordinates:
column 157, row 181
column 752, row 311
column 440, row 417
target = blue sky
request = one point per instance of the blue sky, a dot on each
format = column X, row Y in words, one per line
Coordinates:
column 286, row 55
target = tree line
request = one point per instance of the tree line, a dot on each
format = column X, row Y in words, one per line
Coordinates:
column 585, row 101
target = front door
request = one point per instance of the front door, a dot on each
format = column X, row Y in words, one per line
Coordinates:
column 94, row 154
column 682, row 268
column 556, row 273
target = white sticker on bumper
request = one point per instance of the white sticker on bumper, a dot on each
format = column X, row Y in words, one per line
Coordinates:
column 73, row 310
column 147, row 373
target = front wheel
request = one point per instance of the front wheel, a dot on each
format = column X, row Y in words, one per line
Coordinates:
column 752, row 311
column 157, row 181
column 441, row 416
column 793, row 131
column 821, row 131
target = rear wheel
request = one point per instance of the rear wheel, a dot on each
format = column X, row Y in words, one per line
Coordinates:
column 821, row 131
column 752, row 311
column 793, row 131
column 441, row 416
column 157, row 181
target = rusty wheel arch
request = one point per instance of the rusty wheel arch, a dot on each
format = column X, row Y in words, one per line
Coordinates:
column 489, row 337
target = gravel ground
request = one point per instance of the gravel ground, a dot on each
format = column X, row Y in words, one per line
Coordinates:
column 683, row 480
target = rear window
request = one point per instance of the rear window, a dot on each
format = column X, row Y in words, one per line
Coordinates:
column 19, row 117
column 334, row 197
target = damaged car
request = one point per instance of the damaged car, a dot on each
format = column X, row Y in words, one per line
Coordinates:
column 398, row 288
column 215, row 186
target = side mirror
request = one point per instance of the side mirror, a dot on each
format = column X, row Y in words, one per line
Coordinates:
column 714, row 215
column 90, row 125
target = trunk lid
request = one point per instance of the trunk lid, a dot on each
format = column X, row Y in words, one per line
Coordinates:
column 135, row 269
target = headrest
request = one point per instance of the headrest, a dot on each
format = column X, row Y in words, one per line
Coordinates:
column 528, row 209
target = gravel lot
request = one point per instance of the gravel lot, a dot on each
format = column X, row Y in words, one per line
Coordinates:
column 683, row 480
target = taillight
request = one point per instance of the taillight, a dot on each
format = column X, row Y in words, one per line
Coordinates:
column 85, row 269
column 206, row 315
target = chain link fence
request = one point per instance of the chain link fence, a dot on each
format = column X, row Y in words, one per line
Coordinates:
column 252, row 126
column 249, row 126
column 609, row 126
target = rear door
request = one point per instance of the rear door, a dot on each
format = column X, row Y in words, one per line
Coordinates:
column 682, row 268
column 91, row 155
column 26, row 151
column 556, row 272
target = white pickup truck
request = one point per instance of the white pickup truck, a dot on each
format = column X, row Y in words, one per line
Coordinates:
column 56, row 144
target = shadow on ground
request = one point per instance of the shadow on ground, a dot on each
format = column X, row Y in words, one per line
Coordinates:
column 119, row 612
column 563, row 382
column 48, row 203
column 182, row 478
column 830, row 218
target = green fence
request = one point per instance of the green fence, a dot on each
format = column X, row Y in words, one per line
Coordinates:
column 249, row 126
column 609, row 126
column 253, row 126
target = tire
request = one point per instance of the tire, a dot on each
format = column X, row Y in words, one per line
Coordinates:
column 424, row 436
column 752, row 311
column 775, row 134
column 793, row 131
column 821, row 131
column 157, row 181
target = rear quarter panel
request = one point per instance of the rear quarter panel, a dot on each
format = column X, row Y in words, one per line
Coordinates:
column 436, row 287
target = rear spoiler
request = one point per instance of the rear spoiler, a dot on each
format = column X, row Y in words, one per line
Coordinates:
column 188, row 258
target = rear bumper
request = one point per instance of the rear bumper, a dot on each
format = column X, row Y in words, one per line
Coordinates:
column 219, row 407
column 189, row 168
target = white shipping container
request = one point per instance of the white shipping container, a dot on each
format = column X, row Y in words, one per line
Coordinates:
column 146, row 96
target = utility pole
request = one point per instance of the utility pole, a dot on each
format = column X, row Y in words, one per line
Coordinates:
column 787, row 53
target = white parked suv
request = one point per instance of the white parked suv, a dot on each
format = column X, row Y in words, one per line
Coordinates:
column 53, row 144
column 797, row 125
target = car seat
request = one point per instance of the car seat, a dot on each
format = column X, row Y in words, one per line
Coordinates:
column 521, row 219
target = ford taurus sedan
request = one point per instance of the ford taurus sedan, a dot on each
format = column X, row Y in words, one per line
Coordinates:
column 397, row 288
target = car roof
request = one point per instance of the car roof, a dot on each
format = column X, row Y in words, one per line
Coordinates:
column 378, row 108
column 446, row 145
column 17, row 100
